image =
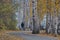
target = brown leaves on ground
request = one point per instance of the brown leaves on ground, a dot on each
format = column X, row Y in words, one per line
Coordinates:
column 4, row 36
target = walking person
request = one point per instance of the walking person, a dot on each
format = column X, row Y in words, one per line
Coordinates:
column 22, row 25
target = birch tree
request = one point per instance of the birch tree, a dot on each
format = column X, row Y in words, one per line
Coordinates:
column 35, row 17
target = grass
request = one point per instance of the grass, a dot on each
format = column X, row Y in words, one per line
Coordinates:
column 4, row 36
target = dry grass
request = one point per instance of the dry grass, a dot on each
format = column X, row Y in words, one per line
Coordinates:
column 58, row 37
column 4, row 36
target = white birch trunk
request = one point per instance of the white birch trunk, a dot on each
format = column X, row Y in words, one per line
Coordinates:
column 35, row 17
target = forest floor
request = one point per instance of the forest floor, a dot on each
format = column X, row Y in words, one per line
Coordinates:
column 28, row 36
column 49, row 35
column 44, row 34
column 5, row 36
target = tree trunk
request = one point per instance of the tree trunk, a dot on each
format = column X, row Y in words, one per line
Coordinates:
column 35, row 18
column 35, row 27
column 48, row 18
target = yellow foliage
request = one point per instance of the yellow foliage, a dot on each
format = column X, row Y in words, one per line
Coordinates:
column 30, row 3
column 41, row 8
column 53, row 7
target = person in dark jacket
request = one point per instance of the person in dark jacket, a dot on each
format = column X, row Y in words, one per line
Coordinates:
column 22, row 25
